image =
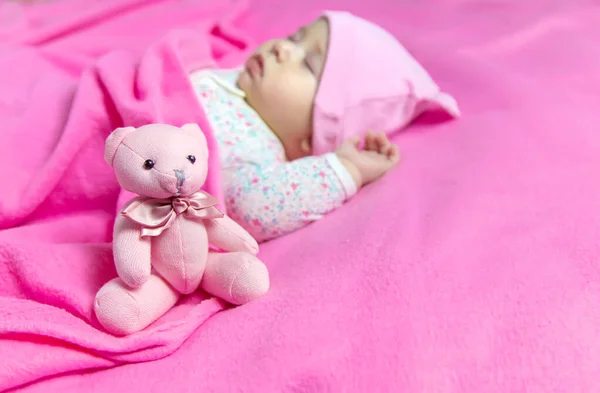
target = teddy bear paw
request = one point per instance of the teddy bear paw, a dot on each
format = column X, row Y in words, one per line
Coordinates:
column 117, row 310
column 251, row 281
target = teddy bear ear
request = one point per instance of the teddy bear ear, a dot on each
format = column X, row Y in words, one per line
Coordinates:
column 194, row 129
column 191, row 127
column 113, row 142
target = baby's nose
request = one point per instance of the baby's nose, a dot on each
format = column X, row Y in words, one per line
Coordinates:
column 283, row 50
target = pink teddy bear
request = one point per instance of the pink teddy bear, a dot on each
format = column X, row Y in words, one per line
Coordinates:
column 161, row 238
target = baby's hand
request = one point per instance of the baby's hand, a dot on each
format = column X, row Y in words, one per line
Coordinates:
column 377, row 157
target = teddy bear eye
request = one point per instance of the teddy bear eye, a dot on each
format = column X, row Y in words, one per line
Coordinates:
column 148, row 164
column 191, row 158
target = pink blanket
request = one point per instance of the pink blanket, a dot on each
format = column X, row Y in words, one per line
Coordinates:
column 473, row 267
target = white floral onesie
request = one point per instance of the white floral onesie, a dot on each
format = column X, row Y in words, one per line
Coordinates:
column 264, row 193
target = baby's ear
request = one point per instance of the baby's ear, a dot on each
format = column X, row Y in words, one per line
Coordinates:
column 113, row 142
column 306, row 146
column 196, row 132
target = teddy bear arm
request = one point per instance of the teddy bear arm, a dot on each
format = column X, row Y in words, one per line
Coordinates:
column 132, row 253
column 230, row 236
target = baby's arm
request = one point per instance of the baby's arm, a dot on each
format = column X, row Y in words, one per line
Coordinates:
column 275, row 200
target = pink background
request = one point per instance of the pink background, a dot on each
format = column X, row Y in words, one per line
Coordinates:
column 472, row 267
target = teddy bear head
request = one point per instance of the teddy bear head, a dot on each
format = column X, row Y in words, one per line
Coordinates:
column 159, row 160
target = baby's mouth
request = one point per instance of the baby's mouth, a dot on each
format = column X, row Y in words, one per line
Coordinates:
column 255, row 65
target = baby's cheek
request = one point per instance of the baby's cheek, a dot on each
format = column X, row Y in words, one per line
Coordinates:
column 243, row 82
column 292, row 102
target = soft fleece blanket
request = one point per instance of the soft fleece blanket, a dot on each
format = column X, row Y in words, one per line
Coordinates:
column 472, row 267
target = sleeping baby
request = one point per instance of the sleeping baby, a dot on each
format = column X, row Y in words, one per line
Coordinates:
column 293, row 125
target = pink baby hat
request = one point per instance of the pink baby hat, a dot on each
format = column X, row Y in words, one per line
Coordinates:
column 370, row 82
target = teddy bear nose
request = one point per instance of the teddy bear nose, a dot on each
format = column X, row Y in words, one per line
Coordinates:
column 180, row 177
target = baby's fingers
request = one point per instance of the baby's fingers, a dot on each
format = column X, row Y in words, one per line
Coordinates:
column 387, row 151
column 370, row 142
column 393, row 153
column 382, row 143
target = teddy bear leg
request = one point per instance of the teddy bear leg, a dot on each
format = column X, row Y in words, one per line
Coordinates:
column 122, row 310
column 236, row 277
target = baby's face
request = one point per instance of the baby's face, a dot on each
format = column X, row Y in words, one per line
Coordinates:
column 280, row 81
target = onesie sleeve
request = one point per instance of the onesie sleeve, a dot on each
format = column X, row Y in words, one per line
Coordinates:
column 270, row 201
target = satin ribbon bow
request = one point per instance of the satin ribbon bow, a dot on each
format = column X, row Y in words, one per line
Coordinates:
column 155, row 215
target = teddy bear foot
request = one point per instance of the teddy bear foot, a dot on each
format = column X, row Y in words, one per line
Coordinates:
column 122, row 310
column 236, row 277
